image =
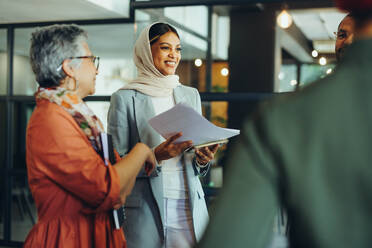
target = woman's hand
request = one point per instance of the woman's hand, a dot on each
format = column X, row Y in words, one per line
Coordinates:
column 168, row 149
column 206, row 154
column 150, row 162
column 120, row 201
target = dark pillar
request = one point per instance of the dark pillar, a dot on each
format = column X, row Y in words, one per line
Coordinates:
column 254, row 57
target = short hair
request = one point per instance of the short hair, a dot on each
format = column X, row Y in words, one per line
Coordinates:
column 158, row 29
column 361, row 17
column 50, row 46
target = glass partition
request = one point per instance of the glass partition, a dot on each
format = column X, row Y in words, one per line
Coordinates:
column 193, row 17
column 24, row 213
column 2, row 163
column 49, row 11
column 23, row 78
column 287, row 78
column 100, row 109
column 114, row 45
column 3, row 91
column 3, row 61
column 313, row 72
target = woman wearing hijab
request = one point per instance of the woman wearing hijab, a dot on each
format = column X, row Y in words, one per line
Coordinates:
column 167, row 208
column 73, row 189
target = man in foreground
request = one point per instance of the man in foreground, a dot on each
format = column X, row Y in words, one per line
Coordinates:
column 310, row 153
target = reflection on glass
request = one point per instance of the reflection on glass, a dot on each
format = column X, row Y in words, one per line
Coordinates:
column 218, row 115
column 23, row 78
column 114, row 45
column 313, row 72
column 220, row 37
column 2, row 162
column 287, row 78
column 117, row 6
column 3, row 61
column 193, row 17
column 22, row 113
column 24, row 213
column 51, row 11
column 100, row 109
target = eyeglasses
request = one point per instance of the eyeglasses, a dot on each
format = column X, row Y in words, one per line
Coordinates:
column 94, row 59
column 341, row 35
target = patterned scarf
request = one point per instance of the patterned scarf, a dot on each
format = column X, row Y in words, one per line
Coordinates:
column 78, row 109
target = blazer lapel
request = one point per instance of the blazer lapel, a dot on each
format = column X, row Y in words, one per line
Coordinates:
column 144, row 110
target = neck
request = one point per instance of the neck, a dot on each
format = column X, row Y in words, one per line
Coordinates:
column 70, row 84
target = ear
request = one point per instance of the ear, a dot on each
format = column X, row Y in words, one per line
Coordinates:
column 67, row 68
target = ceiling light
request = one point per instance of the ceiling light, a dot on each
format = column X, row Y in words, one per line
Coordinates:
column 322, row 61
column 293, row 82
column 224, row 72
column 284, row 19
column 329, row 71
column 198, row 62
column 314, row 53
column 281, row 75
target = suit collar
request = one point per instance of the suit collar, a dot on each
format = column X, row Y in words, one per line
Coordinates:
column 144, row 110
column 359, row 53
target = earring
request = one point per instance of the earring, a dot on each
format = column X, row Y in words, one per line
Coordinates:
column 76, row 84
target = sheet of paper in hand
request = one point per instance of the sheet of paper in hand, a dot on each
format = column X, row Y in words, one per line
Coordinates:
column 182, row 118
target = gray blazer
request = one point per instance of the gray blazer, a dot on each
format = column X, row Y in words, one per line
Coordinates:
column 128, row 118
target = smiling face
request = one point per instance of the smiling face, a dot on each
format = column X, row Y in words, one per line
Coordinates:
column 166, row 53
column 345, row 36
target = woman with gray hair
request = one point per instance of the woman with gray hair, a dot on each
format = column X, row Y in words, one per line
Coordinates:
column 73, row 189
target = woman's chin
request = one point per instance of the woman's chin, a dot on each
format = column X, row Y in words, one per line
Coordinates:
column 169, row 72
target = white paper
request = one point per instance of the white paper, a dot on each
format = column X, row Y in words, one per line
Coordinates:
column 194, row 127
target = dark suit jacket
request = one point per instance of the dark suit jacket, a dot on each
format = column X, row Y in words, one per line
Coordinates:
column 312, row 153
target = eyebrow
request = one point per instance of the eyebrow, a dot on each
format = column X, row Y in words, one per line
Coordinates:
column 166, row 43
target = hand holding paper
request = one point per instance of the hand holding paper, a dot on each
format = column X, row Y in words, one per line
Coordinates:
column 168, row 149
column 193, row 126
column 206, row 153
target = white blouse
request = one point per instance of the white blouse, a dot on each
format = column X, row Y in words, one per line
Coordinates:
column 173, row 170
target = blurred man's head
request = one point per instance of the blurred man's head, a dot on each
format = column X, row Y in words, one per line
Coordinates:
column 344, row 36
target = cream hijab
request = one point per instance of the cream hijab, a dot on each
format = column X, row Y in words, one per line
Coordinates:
column 149, row 80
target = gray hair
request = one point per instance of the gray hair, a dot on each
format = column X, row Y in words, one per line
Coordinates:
column 50, row 46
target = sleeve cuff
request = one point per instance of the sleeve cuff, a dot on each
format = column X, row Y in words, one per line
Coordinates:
column 201, row 165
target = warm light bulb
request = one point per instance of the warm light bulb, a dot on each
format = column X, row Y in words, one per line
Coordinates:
column 329, row 71
column 284, row 19
column 314, row 53
column 224, row 72
column 293, row 82
column 322, row 61
column 198, row 62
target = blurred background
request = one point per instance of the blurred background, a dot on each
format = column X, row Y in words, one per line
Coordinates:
column 236, row 53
